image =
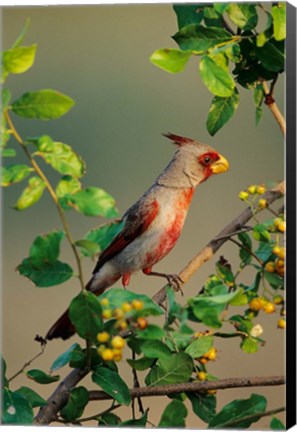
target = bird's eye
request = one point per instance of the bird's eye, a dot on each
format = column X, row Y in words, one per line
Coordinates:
column 207, row 160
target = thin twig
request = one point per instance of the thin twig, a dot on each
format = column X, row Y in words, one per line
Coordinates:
column 270, row 102
column 95, row 416
column 195, row 386
column 51, row 192
column 242, row 246
column 26, row 364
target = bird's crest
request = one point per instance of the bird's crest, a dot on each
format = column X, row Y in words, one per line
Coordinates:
column 179, row 140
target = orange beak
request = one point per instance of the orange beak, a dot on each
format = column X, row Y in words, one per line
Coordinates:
column 219, row 166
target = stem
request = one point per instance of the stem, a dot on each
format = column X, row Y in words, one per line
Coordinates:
column 27, row 364
column 93, row 417
column 242, row 246
column 51, row 192
column 270, row 102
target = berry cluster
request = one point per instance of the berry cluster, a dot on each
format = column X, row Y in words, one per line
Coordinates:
column 254, row 190
column 262, row 303
column 126, row 317
column 202, row 374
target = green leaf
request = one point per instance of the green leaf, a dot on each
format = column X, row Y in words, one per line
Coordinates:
column 88, row 247
column 261, row 233
column 199, row 346
column 43, row 105
column 78, row 399
column 208, row 313
column 264, row 250
column 272, row 56
column 258, row 115
column 152, row 332
column 244, row 253
column 249, row 345
column 104, row 234
column 62, row 158
column 112, row 384
column 31, row 194
column 141, row 364
column 64, row 358
column 170, row 59
column 258, row 95
column 233, row 52
column 19, row 60
column 155, row 349
column 67, row 185
column 204, row 406
column 217, row 80
column 86, row 314
column 243, row 15
column 174, row 415
column 78, row 358
column 237, row 409
column 198, row 38
column 8, row 153
column 274, row 280
column 221, row 111
column 171, row 370
column 93, row 201
column 141, row 422
column 32, row 397
column 118, row 296
column 279, row 21
column 46, row 276
column 220, row 7
column 109, row 419
column 212, row 18
column 46, row 248
column 276, row 424
column 14, row 174
column 240, row 299
column 188, row 14
column 41, row 377
column 16, row 409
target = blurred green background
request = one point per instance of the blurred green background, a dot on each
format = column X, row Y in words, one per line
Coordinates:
column 99, row 55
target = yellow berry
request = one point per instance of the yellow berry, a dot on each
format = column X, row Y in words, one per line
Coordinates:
column 118, row 342
column 282, row 226
column 270, row 267
column 277, row 221
column 212, row 392
column 278, row 299
column 122, row 324
column 269, row 308
column 211, row 354
column 107, row 354
column 282, row 253
column 103, row 337
column 117, row 355
column 283, row 312
column 100, row 349
column 260, row 189
column 142, row 323
column 104, row 302
column 202, row 376
column 107, row 313
column 280, row 267
column 252, row 189
column 243, row 195
column 256, row 304
column 281, row 323
column 126, row 307
column 137, row 304
column 276, row 250
column 118, row 313
column 203, row 360
column 262, row 203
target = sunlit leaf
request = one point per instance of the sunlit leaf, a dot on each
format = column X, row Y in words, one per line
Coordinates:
column 243, row 15
column 14, row 174
column 217, row 80
column 31, row 194
column 279, row 21
column 43, row 105
column 198, row 38
column 93, row 201
column 170, row 59
column 19, row 60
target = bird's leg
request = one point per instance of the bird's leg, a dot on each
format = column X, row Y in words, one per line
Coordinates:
column 173, row 279
column 126, row 279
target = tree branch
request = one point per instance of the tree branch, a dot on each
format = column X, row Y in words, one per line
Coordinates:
column 270, row 102
column 212, row 247
column 256, row 416
column 195, row 386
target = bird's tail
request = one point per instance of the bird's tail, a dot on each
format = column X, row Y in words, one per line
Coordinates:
column 63, row 327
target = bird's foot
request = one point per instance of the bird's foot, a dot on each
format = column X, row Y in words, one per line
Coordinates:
column 175, row 281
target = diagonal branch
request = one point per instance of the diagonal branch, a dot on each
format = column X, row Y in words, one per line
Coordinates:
column 195, row 386
column 214, row 245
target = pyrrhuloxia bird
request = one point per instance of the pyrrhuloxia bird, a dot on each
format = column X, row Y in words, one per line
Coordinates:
column 153, row 224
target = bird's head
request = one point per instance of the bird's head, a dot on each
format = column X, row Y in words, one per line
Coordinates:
column 199, row 160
